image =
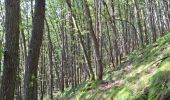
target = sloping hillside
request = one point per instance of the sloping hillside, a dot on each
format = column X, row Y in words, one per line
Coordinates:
column 145, row 75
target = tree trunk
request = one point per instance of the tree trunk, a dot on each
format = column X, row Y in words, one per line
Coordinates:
column 11, row 52
column 136, row 3
column 50, row 47
column 86, row 53
column 30, row 79
column 95, row 41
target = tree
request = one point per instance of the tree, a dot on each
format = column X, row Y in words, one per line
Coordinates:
column 81, row 38
column 30, row 79
column 86, row 55
column 11, row 54
column 94, row 39
column 136, row 3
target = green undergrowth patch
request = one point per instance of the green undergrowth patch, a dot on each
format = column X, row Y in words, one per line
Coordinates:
column 69, row 92
column 147, row 78
column 145, row 75
column 159, row 86
column 78, row 92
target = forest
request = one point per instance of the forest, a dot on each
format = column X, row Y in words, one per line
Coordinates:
column 84, row 49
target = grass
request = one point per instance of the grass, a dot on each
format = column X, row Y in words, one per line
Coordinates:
column 148, row 77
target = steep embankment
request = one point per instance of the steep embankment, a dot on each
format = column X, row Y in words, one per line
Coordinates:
column 145, row 75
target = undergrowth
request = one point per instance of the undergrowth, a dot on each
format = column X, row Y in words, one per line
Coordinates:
column 147, row 77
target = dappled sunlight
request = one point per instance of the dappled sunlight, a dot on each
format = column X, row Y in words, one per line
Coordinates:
column 84, row 50
column 165, row 66
column 138, row 79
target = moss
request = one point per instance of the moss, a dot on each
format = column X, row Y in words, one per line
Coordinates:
column 160, row 85
column 148, row 79
column 124, row 94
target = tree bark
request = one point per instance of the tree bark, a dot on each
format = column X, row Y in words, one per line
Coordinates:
column 11, row 52
column 30, row 79
column 50, row 47
column 136, row 3
column 87, row 58
column 95, row 41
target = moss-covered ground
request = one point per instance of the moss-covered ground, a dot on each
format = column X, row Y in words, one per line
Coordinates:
column 144, row 76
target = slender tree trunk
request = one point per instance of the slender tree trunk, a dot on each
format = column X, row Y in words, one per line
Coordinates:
column 136, row 3
column 50, row 47
column 152, row 19
column 30, row 79
column 63, row 58
column 42, row 68
column 24, row 44
column 87, row 58
column 95, row 41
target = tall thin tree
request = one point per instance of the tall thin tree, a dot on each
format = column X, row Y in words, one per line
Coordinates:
column 30, row 79
column 87, row 14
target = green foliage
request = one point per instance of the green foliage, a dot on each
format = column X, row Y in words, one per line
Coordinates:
column 147, row 79
column 90, row 85
column 160, row 85
column 70, row 92
column 145, row 73
column 124, row 94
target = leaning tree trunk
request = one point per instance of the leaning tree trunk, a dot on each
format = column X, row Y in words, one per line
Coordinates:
column 30, row 81
column 86, row 53
column 11, row 54
column 50, row 47
column 136, row 3
column 94, row 39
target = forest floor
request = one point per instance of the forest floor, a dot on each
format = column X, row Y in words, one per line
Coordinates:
column 144, row 75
